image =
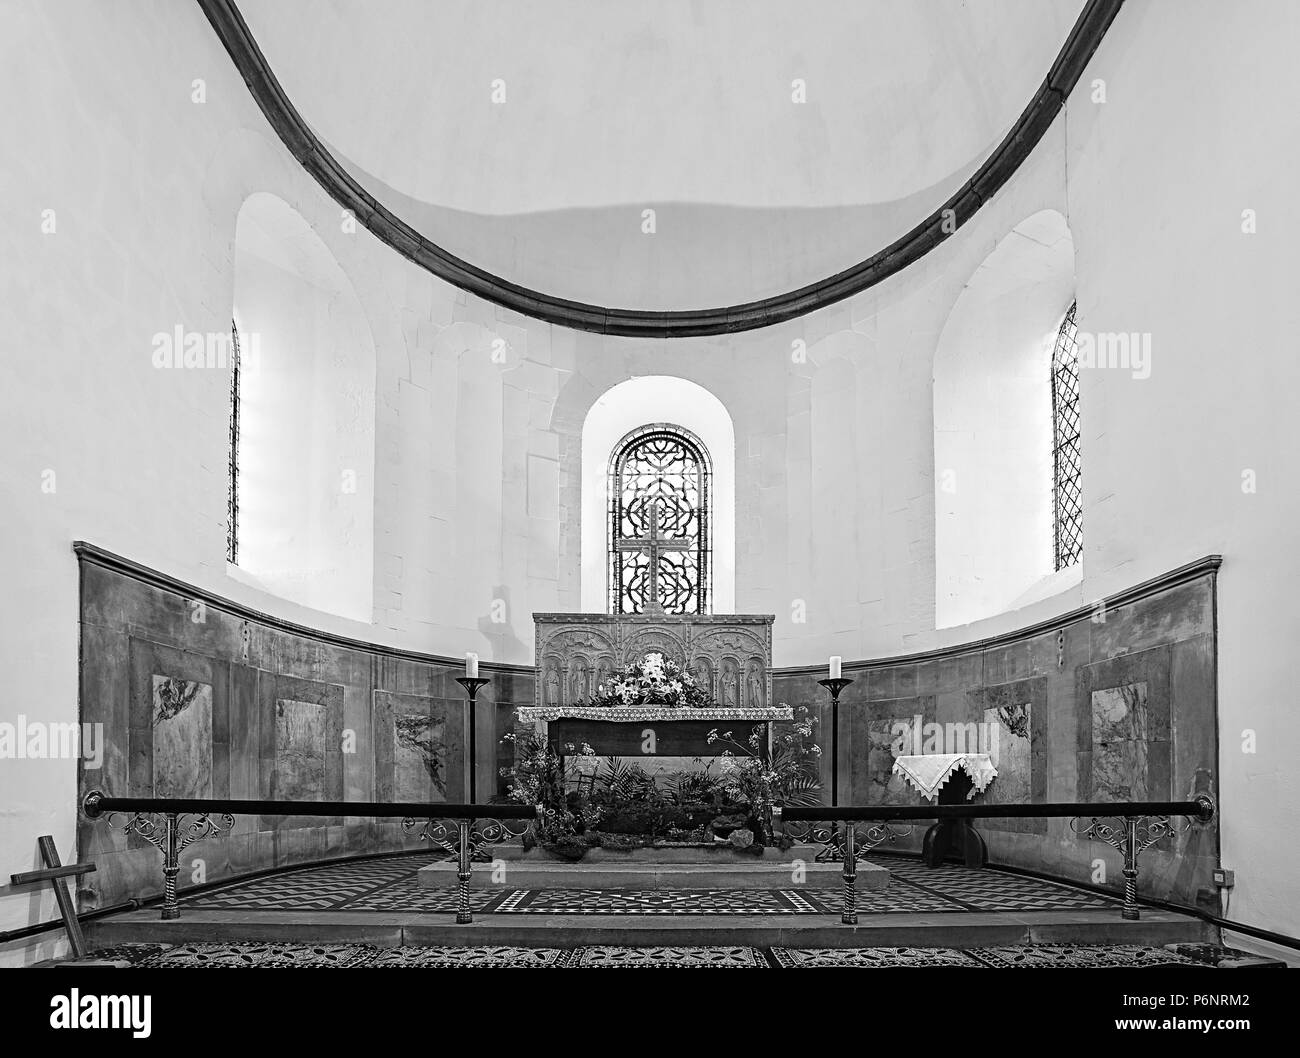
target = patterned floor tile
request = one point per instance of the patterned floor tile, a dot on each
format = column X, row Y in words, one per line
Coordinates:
column 390, row 884
column 236, row 954
column 657, row 902
column 1085, row 955
column 609, row 956
column 499, row 956
column 328, row 888
column 990, row 890
column 406, row 894
column 873, row 958
column 134, row 954
column 897, row 899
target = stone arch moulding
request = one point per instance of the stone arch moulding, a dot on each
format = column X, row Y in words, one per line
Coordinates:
column 997, row 169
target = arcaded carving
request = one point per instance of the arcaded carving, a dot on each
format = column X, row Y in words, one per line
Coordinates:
column 729, row 654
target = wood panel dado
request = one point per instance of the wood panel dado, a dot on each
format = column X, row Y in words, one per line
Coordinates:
column 1113, row 702
column 199, row 696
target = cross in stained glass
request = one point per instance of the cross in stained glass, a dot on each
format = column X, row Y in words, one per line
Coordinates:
column 653, row 546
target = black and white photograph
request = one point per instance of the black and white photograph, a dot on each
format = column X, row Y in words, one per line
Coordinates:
column 649, row 484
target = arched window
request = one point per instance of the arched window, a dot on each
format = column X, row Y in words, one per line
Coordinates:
column 659, row 480
column 232, row 473
column 1067, row 502
column 302, row 509
column 996, row 439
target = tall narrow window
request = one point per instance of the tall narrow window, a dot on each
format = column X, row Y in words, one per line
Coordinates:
column 659, row 482
column 232, row 472
column 1067, row 505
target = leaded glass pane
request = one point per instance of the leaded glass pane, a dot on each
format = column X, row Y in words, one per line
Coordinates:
column 1067, row 465
column 659, row 539
column 232, row 472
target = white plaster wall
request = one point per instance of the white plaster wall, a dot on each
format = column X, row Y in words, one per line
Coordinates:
column 479, row 411
column 1199, row 127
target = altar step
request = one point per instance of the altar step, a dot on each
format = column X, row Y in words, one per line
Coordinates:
column 954, row 930
column 654, row 868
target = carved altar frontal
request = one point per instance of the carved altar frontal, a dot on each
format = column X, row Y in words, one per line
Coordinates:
column 730, row 655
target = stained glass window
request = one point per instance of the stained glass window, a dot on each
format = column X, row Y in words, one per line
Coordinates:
column 1067, row 466
column 232, row 478
column 659, row 480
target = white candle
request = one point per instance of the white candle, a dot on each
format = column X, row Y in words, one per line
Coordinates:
column 835, row 666
column 471, row 665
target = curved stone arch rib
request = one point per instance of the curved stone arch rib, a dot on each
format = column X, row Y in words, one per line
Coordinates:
column 997, row 169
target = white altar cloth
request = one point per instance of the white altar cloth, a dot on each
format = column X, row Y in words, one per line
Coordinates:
column 929, row 771
column 642, row 713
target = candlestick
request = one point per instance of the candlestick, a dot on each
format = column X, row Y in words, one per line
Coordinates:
column 471, row 665
column 836, row 662
column 835, row 684
column 471, row 685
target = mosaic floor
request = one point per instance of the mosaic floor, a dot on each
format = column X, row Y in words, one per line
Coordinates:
column 245, row 955
column 389, row 885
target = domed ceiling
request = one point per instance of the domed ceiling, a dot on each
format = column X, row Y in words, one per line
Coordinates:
column 685, row 107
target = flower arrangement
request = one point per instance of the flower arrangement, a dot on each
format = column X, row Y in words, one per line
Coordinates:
column 790, row 776
column 540, row 777
column 656, row 681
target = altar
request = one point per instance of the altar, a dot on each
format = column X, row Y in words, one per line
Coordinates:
column 649, row 731
column 727, row 657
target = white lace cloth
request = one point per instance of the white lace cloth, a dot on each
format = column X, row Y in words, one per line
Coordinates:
column 641, row 713
column 929, row 771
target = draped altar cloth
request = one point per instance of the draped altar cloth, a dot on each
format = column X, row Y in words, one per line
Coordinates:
column 929, row 771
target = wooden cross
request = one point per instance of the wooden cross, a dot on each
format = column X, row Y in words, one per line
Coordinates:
column 56, row 875
column 654, row 545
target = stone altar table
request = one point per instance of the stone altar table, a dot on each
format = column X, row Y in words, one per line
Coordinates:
column 647, row 730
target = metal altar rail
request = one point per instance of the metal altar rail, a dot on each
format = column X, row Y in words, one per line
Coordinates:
column 187, row 820
column 1137, row 826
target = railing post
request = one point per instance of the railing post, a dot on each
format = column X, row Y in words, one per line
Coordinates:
column 463, row 914
column 171, row 868
column 1130, row 910
column 850, row 914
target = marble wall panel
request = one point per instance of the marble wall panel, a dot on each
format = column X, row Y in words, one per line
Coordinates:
column 300, row 733
column 1015, row 717
column 1123, row 728
column 178, row 722
column 419, row 748
column 182, row 737
column 1119, row 703
column 278, row 702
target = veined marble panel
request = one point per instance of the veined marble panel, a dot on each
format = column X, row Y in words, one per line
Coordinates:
column 300, row 729
column 182, row 737
column 884, row 787
column 419, row 758
column 1121, row 733
column 1009, row 748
